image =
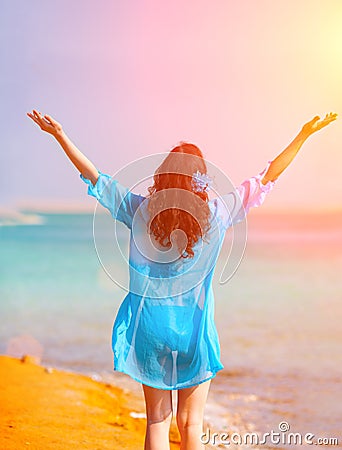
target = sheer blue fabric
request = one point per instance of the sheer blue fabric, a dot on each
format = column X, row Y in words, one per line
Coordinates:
column 164, row 334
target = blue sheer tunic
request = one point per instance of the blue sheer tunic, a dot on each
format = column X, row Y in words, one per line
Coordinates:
column 164, row 334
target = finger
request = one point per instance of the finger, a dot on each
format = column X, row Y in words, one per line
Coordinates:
column 45, row 120
column 32, row 117
column 50, row 119
column 36, row 120
column 37, row 114
column 41, row 119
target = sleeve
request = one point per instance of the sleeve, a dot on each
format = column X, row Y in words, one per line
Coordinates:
column 233, row 207
column 119, row 200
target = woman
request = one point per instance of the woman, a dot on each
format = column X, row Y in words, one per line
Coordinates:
column 164, row 334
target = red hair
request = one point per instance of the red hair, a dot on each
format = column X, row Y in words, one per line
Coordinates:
column 172, row 178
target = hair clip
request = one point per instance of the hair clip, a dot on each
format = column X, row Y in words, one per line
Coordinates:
column 201, row 182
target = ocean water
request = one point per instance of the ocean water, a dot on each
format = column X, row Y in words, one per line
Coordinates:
column 279, row 317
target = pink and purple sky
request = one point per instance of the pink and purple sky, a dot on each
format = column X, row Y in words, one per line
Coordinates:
column 132, row 78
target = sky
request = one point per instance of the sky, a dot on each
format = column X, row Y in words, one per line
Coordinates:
column 128, row 79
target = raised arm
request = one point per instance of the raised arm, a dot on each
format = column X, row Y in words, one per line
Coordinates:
column 80, row 161
column 279, row 164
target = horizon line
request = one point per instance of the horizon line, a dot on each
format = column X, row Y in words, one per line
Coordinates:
column 76, row 208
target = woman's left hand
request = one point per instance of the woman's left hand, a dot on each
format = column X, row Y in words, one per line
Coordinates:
column 46, row 123
column 315, row 124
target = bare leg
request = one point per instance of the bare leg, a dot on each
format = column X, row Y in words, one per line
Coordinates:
column 190, row 411
column 159, row 416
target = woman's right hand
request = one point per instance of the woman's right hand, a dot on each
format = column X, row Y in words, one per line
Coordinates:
column 46, row 123
column 315, row 124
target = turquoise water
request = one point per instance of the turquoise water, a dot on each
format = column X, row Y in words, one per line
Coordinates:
column 279, row 317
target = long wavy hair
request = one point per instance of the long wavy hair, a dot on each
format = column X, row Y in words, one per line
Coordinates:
column 173, row 202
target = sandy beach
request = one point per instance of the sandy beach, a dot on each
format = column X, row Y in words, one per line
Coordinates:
column 45, row 408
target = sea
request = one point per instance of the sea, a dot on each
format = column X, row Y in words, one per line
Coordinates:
column 278, row 316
